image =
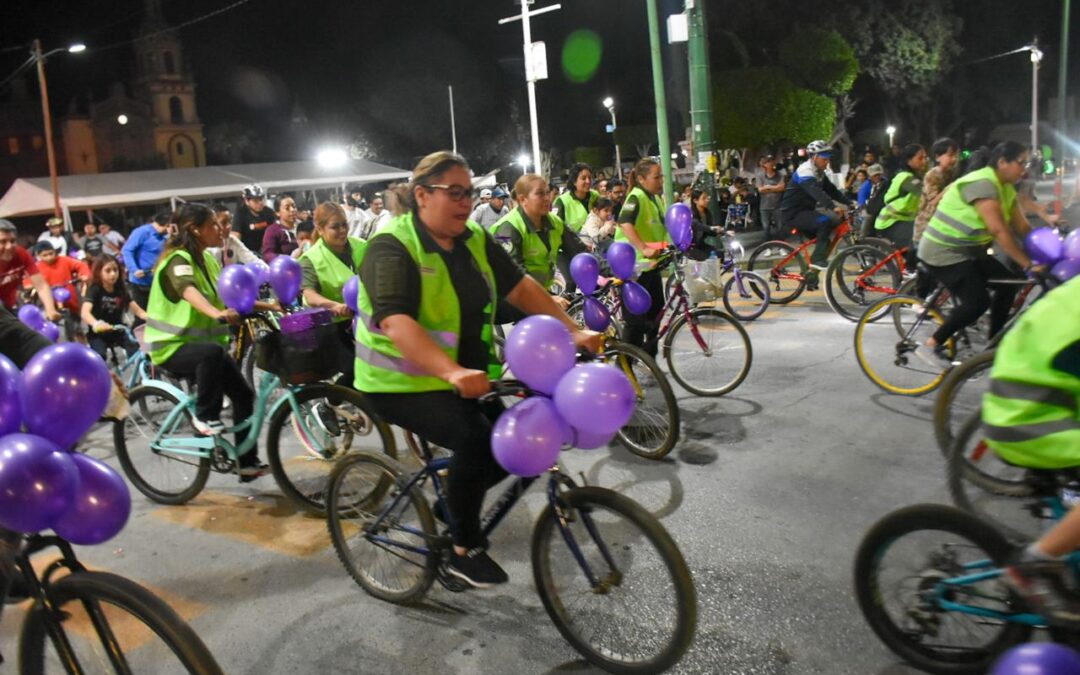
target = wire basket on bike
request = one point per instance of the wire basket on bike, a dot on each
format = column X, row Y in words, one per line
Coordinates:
column 702, row 279
column 297, row 353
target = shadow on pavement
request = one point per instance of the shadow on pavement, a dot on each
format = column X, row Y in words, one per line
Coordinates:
column 654, row 485
column 917, row 408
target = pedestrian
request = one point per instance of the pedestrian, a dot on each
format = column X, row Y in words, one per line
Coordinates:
column 91, row 243
column 114, row 241
column 946, row 155
column 495, row 209
column 770, row 185
column 377, row 215
column 232, row 249
column 141, row 253
column 356, row 211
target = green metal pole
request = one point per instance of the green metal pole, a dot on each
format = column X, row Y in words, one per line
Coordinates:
column 701, row 116
column 1063, row 125
column 661, row 99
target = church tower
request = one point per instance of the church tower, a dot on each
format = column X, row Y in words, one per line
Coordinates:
column 164, row 81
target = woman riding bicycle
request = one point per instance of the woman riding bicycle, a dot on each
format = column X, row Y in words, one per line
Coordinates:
column 184, row 327
column 896, row 221
column 430, row 281
column 103, row 307
column 978, row 209
column 704, row 241
column 641, row 222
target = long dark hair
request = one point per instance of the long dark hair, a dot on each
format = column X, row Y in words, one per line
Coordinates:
column 120, row 288
column 188, row 218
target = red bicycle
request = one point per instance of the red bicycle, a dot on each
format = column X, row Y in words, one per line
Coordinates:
column 785, row 266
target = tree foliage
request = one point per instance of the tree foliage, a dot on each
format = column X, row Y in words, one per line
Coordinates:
column 594, row 155
column 820, row 60
column 762, row 106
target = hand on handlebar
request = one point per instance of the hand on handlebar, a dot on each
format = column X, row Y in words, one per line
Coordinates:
column 231, row 317
column 588, row 340
column 52, row 315
column 469, row 383
column 103, row 327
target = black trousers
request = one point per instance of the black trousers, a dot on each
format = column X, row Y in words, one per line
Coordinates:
column 19, row 342
column 900, row 233
column 464, row 427
column 967, row 282
column 820, row 224
column 641, row 330
column 102, row 342
column 141, row 296
column 216, row 376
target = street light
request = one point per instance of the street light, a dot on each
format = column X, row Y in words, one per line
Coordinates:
column 609, row 103
column 891, row 131
column 1036, row 58
column 121, row 119
column 332, row 158
column 523, row 160
column 76, row 48
column 37, row 57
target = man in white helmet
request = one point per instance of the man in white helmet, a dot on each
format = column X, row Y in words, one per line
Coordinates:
column 813, row 205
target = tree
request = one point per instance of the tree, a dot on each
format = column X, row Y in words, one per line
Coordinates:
column 595, row 156
column 232, row 143
column 641, row 136
column 820, row 60
column 762, row 106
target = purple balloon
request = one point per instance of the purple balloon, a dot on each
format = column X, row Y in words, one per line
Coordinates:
column 539, row 350
column 621, row 257
column 596, row 397
column 1038, row 658
column 32, row 316
column 51, row 331
column 101, row 506
column 597, row 316
column 586, row 439
column 1044, row 246
column 38, row 482
column 65, row 389
column 62, row 294
column 351, row 291
column 285, row 276
column 261, row 271
column 526, row 438
column 584, row 270
column 635, row 298
column 238, row 288
column 1072, row 244
column 678, row 219
column 10, row 383
column 1066, row 269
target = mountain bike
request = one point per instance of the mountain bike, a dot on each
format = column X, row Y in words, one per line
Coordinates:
column 860, row 275
column 601, row 562
column 785, row 266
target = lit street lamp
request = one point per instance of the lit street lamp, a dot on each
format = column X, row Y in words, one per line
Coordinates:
column 37, row 57
column 891, row 131
column 1036, row 58
column 609, row 103
column 523, row 160
column 121, row 119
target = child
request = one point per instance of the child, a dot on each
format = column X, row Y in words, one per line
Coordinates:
column 305, row 237
column 60, row 271
column 104, row 306
column 599, row 227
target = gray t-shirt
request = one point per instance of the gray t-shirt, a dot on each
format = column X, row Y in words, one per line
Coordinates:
column 770, row 200
column 938, row 255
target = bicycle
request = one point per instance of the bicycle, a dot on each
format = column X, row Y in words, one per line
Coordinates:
column 861, row 274
column 745, row 294
column 385, row 535
column 960, row 395
column 786, row 266
column 134, row 369
column 166, row 460
column 94, row 621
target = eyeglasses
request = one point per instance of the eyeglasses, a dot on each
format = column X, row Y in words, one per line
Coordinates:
column 455, row 192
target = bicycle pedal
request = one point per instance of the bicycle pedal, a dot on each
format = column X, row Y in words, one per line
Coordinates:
column 450, row 582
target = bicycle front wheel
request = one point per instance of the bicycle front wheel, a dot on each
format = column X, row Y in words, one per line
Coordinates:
column 653, row 429
column 960, row 396
column 709, row 354
column 746, row 295
column 638, row 612
column 318, row 425
column 109, row 624
column 857, row 277
column 890, row 360
column 783, row 267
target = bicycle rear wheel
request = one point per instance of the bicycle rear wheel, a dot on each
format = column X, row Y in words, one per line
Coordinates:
column 960, row 395
column 311, row 431
column 747, row 296
column 653, row 429
column 890, row 361
column 709, row 355
column 165, row 476
column 850, row 287
column 641, row 614
column 375, row 529
column 112, row 625
column 787, row 280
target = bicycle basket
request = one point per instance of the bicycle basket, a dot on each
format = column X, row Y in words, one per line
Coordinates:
column 702, row 280
column 303, row 350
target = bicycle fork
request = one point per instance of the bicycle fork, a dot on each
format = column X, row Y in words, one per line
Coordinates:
column 563, row 518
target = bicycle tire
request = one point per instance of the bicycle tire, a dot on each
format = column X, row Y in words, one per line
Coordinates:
column 390, row 473
column 841, row 290
column 681, row 373
column 132, row 427
column 583, row 501
column 871, row 597
column 758, row 288
column 957, row 379
column 308, row 489
column 145, row 607
column 638, row 443
column 891, row 304
column 764, row 260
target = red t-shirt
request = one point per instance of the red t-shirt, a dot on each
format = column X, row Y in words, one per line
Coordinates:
column 12, row 272
column 61, row 273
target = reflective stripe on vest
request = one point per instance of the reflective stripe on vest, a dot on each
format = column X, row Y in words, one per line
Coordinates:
column 1033, row 393
column 898, row 208
column 1024, row 433
column 539, row 260
column 187, row 331
column 956, row 223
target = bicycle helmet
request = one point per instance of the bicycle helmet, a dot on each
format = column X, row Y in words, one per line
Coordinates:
column 253, row 191
column 817, row 147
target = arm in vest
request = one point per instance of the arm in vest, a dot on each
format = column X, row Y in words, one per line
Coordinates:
column 990, row 211
column 417, row 346
column 203, row 306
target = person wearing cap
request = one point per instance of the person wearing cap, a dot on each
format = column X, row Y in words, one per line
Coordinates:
column 875, row 178
column 62, row 241
column 770, row 186
column 253, row 217
column 356, row 212
column 141, row 252
column 492, row 210
column 810, row 205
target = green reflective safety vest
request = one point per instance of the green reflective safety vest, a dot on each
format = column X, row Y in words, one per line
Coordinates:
column 1031, row 415
column 958, row 224
column 539, row 259
column 331, row 271
column 574, row 212
column 649, row 222
column 171, row 325
column 898, row 208
column 380, row 367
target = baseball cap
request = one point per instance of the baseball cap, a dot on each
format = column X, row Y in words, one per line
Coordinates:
column 499, row 193
column 874, row 170
column 54, row 221
column 485, row 193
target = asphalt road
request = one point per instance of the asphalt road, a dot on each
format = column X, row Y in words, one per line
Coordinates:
column 767, row 494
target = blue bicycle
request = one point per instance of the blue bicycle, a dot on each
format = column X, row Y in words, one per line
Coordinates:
column 609, row 575
column 131, row 369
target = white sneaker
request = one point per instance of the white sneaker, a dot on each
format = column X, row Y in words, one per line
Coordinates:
column 819, row 268
column 207, row 427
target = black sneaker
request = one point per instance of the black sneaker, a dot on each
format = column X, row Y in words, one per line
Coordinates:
column 327, row 418
column 477, row 569
column 812, row 279
column 253, row 472
column 1041, row 583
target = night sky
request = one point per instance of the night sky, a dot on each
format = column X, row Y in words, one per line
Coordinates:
column 381, row 68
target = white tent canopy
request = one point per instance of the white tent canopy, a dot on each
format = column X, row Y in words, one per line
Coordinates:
column 33, row 196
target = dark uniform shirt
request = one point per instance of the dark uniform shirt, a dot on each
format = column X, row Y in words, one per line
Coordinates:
column 244, row 219
column 392, row 280
column 571, row 243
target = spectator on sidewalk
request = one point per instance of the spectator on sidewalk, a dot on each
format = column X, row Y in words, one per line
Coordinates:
column 488, row 213
column 140, row 254
column 62, row 240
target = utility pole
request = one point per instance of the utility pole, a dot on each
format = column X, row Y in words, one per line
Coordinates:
column 701, row 114
column 1036, row 58
column 1063, row 109
column 54, row 181
column 453, row 127
column 661, row 100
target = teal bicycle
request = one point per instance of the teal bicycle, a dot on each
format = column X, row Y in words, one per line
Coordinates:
column 312, row 424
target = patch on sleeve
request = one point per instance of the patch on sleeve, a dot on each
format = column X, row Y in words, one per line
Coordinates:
column 183, row 271
column 630, row 206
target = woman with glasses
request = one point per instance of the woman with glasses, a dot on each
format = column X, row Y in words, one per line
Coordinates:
column 977, row 210
column 430, row 280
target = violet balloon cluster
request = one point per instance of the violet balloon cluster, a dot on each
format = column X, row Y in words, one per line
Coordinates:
column 44, row 410
column 581, row 405
column 1046, row 247
column 34, row 318
column 1038, row 658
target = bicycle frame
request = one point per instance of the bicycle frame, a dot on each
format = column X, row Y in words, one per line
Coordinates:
column 841, row 231
column 678, row 303
column 896, row 256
